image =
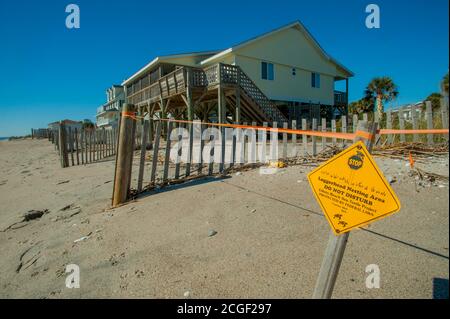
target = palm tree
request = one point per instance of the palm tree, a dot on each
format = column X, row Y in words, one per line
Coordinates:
column 87, row 124
column 445, row 84
column 383, row 89
column 364, row 105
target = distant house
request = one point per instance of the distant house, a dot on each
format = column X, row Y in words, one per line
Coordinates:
column 108, row 113
column 278, row 76
column 68, row 123
column 407, row 110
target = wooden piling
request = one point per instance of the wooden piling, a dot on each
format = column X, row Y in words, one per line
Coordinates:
column 124, row 158
column 63, row 145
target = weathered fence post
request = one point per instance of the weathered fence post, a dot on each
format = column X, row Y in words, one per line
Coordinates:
column 285, row 138
column 401, row 123
column 313, row 138
column 336, row 244
column 64, row 157
column 124, row 158
column 71, row 145
column 294, row 139
column 144, row 137
column 344, row 127
column 414, row 122
column 324, row 130
column 355, row 122
column 304, row 137
column 333, row 129
column 389, row 125
column 444, row 113
column 429, row 115
column 155, row 152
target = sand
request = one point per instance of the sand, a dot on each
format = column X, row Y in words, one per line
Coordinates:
column 271, row 235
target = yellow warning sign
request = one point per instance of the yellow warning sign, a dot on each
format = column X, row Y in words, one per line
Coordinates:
column 352, row 191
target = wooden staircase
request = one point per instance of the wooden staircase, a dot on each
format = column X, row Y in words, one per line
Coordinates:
column 255, row 106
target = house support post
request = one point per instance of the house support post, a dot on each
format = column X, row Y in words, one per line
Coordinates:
column 124, row 157
column 346, row 96
column 190, row 105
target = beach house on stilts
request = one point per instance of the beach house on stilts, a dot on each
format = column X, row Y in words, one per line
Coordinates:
column 282, row 75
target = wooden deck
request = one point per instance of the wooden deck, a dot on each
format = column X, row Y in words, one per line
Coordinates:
column 188, row 87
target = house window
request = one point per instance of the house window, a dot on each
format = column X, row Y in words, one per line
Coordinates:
column 315, row 80
column 267, row 71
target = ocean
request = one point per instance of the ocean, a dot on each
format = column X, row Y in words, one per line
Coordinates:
column 3, row 138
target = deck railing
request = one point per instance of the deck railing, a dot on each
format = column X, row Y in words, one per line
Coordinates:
column 225, row 74
column 113, row 105
column 167, row 86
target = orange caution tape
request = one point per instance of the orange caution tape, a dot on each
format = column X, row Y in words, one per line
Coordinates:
column 343, row 136
column 433, row 131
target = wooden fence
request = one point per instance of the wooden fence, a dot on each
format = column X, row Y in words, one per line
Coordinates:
column 40, row 133
column 157, row 168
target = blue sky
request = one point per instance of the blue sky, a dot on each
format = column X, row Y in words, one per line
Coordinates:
column 49, row 72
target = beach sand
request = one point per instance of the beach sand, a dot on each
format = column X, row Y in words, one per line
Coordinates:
column 270, row 241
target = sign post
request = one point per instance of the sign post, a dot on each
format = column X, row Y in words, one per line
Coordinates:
column 352, row 193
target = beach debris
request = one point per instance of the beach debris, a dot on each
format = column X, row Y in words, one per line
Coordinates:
column 27, row 217
column 82, row 238
column 238, row 174
column 253, row 211
column 34, row 214
column 63, row 182
column 212, row 233
column 278, row 164
column 187, row 294
column 69, row 211
column 391, row 179
column 29, row 257
column 405, row 151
